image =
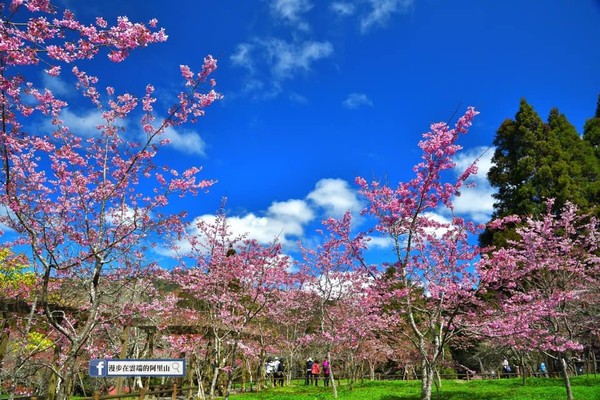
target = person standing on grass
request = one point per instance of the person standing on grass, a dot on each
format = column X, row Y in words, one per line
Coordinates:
column 309, row 364
column 506, row 368
column 280, row 374
column 543, row 370
column 326, row 371
column 316, row 371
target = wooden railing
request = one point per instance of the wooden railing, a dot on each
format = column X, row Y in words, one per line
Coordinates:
column 141, row 395
column 175, row 391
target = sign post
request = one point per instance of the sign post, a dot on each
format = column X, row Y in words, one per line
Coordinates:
column 172, row 367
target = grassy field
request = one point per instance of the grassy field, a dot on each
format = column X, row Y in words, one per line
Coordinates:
column 584, row 388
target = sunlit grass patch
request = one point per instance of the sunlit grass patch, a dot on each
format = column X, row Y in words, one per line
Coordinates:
column 584, row 387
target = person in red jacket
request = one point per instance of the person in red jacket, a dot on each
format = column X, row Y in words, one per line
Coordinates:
column 316, row 371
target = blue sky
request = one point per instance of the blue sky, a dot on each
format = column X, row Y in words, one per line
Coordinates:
column 319, row 92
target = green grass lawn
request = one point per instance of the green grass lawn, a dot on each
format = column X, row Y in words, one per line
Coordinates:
column 584, row 388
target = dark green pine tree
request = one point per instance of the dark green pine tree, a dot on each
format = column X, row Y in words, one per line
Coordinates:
column 519, row 145
column 513, row 166
column 591, row 135
column 534, row 161
column 576, row 173
column 591, row 131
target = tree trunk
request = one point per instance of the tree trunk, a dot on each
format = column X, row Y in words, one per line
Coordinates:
column 213, row 383
column 4, row 336
column 260, row 369
column 191, row 369
column 567, row 381
column 216, row 363
column 200, row 392
column 21, row 355
column 426, row 380
column 52, row 375
column 249, row 371
column 331, row 377
column 124, row 338
column 68, row 377
column 231, row 371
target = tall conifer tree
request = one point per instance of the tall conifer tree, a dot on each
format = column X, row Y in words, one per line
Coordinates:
column 514, row 162
column 591, row 135
column 591, row 131
column 577, row 171
column 535, row 161
column 512, row 168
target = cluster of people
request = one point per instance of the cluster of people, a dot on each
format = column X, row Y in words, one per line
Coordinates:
column 276, row 368
column 313, row 371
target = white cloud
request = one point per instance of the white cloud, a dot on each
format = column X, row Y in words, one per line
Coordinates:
column 5, row 215
column 265, row 229
column 475, row 202
column 82, row 124
column 242, row 56
column 335, row 196
column 287, row 59
column 381, row 11
column 483, row 156
column 56, row 85
column 371, row 13
column 182, row 140
column 298, row 98
column 331, row 286
column 269, row 62
column 125, row 215
column 380, row 242
column 291, row 11
column 356, row 100
column 438, row 219
column 286, row 220
column 292, row 210
column 283, row 221
column 343, row 8
column 185, row 141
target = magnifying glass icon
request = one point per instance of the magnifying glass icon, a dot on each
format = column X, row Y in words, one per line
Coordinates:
column 176, row 367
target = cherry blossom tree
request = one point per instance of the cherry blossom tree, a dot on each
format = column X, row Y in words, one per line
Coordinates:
column 428, row 285
column 287, row 322
column 75, row 198
column 544, row 284
column 21, row 338
column 354, row 326
column 234, row 280
column 337, row 284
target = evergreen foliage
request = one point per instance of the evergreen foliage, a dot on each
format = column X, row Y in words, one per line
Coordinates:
column 534, row 161
column 591, row 131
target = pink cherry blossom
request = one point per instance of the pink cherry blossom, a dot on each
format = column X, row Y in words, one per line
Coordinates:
column 74, row 197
